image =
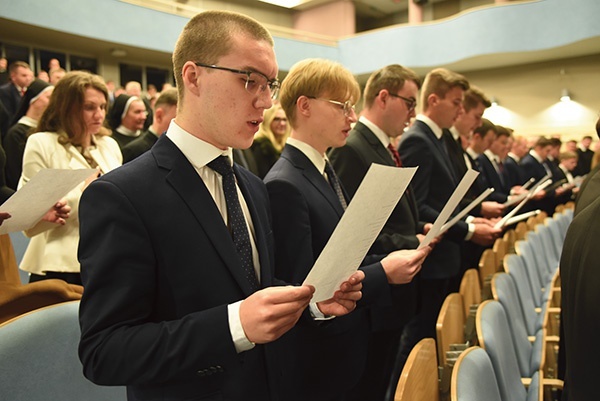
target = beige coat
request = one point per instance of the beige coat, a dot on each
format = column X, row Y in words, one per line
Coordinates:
column 53, row 247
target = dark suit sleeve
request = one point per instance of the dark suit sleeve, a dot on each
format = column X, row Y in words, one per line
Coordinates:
column 415, row 151
column 121, row 341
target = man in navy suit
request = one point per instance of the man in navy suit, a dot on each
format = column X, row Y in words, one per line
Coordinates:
column 390, row 98
column 12, row 92
column 492, row 162
column 433, row 184
column 534, row 166
column 318, row 98
column 176, row 247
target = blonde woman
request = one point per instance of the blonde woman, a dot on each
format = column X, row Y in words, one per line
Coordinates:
column 70, row 135
column 270, row 139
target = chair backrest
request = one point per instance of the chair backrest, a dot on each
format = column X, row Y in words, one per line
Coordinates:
column 513, row 264
column 487, row 266
column 524, row 250
column 470, row 289
column 419, row 378
column 521, row 230
column 557, row 236
column 551, row 254
column 495, row 338
column 505, row 292
column 450, row 326
column 499, row 249
column 473, row 377
column 9, row 271
column 510, row 236
column 38, row 358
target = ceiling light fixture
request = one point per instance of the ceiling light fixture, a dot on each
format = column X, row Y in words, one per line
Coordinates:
column 565, row 96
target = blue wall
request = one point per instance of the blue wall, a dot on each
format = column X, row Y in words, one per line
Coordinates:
column 518, row 27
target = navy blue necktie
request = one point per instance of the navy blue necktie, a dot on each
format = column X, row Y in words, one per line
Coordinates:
column 335, row 184
column 237, row 222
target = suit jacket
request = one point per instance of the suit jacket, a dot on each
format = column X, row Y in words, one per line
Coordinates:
column 433, row 184
column 351, row 162
column 536, row 170
column 492, row 177
column 589, row 191
column 516, row 175
column 584, row 162
column 159, row 268
column 10, row 98
column 139, row 145
column 580, row 299
column 305, row 212
column 54, row 248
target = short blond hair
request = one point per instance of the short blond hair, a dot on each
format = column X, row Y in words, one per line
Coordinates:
column 317, row 78
column 208, row 37
column 473, row 97
column 440, row 81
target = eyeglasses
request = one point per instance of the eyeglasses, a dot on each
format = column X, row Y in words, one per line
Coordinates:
column 411, row 104
column 346, row 106
column 256, row 82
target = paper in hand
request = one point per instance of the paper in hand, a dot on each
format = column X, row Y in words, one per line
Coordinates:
column 30, row 203
column 361, row 223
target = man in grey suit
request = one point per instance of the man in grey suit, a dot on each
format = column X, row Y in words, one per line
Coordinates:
column 390, row 100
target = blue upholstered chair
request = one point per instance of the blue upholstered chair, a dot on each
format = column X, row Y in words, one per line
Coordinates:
column 473, row 377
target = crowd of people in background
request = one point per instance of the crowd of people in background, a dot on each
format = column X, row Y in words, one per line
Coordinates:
column 312, row 149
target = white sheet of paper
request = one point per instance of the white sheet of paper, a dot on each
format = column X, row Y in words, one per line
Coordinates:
column 29, row 204
column 371, row 206
column 537, row 188
column 466, row 210
column 450, row 206
column 524, row 216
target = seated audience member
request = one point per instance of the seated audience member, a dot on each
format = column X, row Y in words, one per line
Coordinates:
column 270, row 140
column 30, row 111
column 176, row 246
column 165, row 110
column 71, row 136
column 126, row 119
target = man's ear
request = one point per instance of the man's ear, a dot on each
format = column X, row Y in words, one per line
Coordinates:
column 303, row 106
column 191, row 74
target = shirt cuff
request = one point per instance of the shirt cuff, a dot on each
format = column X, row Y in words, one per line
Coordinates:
column 240, row 341
column 471, row 232
column 316, row 314
column 469, row 219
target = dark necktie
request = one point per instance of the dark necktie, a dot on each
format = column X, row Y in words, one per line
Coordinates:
column 395, row 155
column 237, row 222
column 335, row 184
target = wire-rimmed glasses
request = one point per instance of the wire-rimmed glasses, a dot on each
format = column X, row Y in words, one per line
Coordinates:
column 256, row 82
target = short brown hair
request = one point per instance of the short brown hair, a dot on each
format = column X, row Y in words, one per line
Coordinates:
column 473, row 97
column 315, row 78
column 64, row 114
column 440, row 81
column 207, row 37
column 167, row 97
column 485, row 127
column 502, row 131
column 13, row 66
column 567, row 155
column 542, row 142
column 392, row 78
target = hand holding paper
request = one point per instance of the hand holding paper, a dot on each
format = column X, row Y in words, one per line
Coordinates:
column 344, row 300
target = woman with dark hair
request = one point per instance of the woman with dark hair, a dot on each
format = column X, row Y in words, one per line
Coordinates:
column 70, row 135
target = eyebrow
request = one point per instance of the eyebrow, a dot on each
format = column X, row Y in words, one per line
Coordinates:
column 253, row 69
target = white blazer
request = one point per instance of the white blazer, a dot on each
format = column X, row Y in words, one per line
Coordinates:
column 53, row 247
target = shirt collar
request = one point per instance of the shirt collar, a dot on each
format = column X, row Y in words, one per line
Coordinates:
column 198, row 152
column 472, row 153
column 317, row 159
column 490, row 155
column 437, row 131
column 28, row 121
column 379, row 133
column 536, row 156
column 515, row 157
column 455, row 133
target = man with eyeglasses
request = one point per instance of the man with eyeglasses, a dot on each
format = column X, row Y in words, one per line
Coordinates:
column 389, row 104
column 307, row 201
column 176, row 247
column 434, row 182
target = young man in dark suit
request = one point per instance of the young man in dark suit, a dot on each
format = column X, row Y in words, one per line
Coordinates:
column 390, row 98
column 176, row 247
column 12, row 91
column 318, row 98
column 434, row 182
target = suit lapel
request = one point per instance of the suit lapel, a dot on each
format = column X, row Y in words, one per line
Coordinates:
column 439, row 151
column 312, row 175
column 187, row 183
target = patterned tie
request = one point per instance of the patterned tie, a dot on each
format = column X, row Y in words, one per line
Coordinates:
column 395, row 155
column 335, row 184
column 237, row 222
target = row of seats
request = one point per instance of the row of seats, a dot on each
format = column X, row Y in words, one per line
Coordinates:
column 517, row 322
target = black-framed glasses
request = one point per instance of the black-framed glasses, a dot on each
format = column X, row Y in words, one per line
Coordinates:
column 346, row 106
column 411, row 104
column 256, row 82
